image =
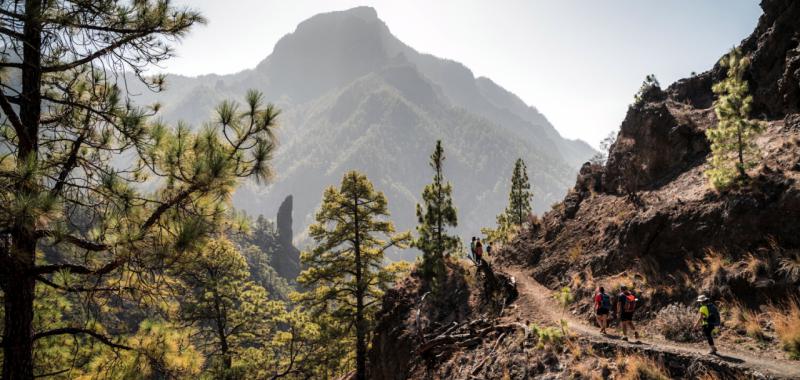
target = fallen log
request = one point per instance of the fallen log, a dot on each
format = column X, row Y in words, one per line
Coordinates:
column 470, row 337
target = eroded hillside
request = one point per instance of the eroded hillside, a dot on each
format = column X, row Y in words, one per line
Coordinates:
column 649, row 219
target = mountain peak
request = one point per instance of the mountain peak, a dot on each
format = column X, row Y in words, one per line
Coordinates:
column 363, row 12
column 327, row 51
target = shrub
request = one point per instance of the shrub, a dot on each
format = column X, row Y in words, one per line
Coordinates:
column 548, row 337
column 746, row 321
column 676, row 322
column 649, row 83
column 575, row 253
column 637, row 367
column 787, row 326
column 790, row 267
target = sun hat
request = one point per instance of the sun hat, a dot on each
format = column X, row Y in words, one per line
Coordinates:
column 702, row 298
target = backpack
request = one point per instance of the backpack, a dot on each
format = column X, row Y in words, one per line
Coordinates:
column 605, row 301
column 630, row 303
column 713, row 315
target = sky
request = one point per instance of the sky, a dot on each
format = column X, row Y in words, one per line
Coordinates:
column 577, row 62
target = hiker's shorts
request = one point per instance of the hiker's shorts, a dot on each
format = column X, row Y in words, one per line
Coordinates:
column 626, row 316
column 602, row 311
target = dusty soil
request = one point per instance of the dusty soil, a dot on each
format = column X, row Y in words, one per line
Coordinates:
column 536, row 304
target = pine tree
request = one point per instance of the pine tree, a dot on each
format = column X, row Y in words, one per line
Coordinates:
column 66, row 116
column 435, row 215
column 519, row 198
column 230, row 312
column 650, row 83
column 735, row 134
column 345, row 272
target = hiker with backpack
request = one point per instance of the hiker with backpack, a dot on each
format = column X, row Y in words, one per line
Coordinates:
column 472, row 249
column 602, row 307
column 478, row 252
column 709, row 319
column 489, row 249
column 626, row 305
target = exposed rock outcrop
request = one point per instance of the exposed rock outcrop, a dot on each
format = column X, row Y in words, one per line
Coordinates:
column 286, row 259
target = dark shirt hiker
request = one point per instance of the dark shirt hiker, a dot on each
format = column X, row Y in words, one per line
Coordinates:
column 626, row 305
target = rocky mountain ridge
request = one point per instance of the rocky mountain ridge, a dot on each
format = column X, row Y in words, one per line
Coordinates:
column 353, row 96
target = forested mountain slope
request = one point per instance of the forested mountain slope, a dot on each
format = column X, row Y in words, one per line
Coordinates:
column 355, row 97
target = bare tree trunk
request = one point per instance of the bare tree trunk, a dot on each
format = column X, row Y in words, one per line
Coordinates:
column 18, row 329
column 223, row 339
column 742, row 173
column 20, row 283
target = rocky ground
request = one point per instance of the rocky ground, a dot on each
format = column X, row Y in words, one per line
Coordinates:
column 531, row 335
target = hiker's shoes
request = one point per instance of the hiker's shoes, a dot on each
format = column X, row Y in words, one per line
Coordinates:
column 713, row 351
column 625, row 338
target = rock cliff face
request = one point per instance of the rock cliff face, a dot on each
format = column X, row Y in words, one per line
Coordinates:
column 650, row 212
column 286, row 259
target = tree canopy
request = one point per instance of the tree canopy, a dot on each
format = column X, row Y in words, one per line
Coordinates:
column 118, row 194
column 733, row 148
column 345, row 274
column 519, row 197
column 435, row 215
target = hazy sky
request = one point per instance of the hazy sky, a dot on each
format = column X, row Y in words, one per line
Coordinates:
column 578, row 62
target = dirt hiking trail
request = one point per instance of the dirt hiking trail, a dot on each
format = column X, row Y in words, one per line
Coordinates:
column 537, row 305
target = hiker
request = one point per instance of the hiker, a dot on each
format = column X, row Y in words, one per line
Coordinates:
column 709, row 318
column 472, row 249
column 602, row 307
column 478, row 252
column 626, row 305
column 489, row 249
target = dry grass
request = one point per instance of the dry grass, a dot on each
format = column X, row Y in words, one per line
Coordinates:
column 746, row 321
column 710, row 375
column 586, row 369
column 620, row 217
column 575, row 253
column 787, row 326
column 711, row 268
column 633, row 281
column 754, row 267
column 638, row 367
column 582, row 282
column 789, row 266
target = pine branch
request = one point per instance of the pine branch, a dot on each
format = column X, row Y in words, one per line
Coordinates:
column 80, row 331
column 95, row 55
column 80, row 269
column 10, row 114
column 74, row 240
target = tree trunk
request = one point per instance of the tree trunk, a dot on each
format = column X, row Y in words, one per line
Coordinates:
column 221, row 321
column 742, row 173
column 361, row 333
column 20, row 284
column 18, row 329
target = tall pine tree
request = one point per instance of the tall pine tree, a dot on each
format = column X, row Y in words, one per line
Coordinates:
column 345, row 272
column 435, row 215
column 519, row 198
column 65, row 117
column 733, row 145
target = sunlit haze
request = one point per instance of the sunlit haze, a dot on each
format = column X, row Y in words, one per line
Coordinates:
column 578, row 62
